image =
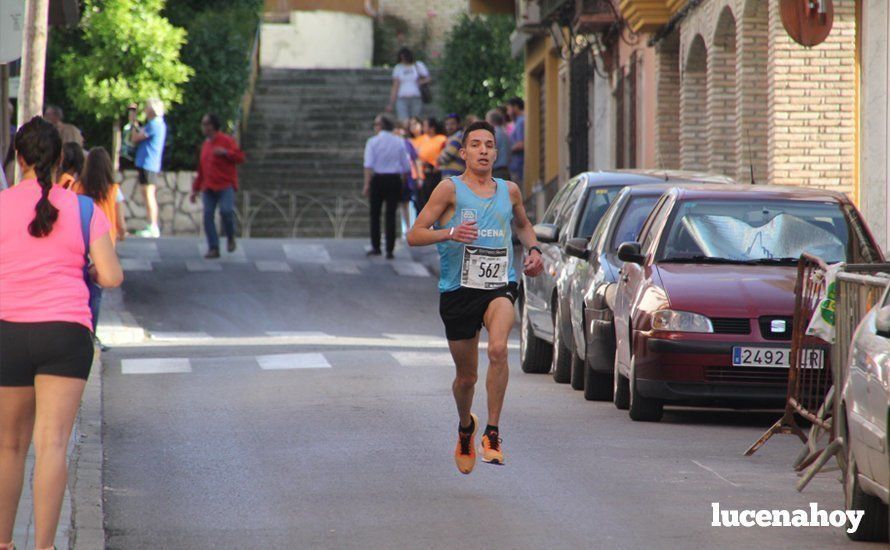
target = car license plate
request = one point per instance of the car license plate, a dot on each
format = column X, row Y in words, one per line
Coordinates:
column 775, row 357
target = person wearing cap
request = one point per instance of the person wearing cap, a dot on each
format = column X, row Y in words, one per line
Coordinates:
column 128, row 148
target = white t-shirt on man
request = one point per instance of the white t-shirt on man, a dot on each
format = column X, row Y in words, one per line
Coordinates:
column 408, row 75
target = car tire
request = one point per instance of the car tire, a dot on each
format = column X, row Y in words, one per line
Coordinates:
column 578, row 367
column 620, row 390
column 535, row 354
column 597, row 385
column 642, row 409
column 562, row 355
column 873, row 526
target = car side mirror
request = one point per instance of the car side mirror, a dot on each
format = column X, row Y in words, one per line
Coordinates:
column 631, row 252
column 882, row 322
column 546, row 232
column 577, row 248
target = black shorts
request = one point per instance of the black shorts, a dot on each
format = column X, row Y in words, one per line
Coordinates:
column 463, row 310
column 147, row 177
column 57, row 348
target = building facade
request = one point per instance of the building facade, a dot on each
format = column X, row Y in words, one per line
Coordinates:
column 711, row 85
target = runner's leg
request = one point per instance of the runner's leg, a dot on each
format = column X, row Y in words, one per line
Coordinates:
column 499, row 319
column 466, row 360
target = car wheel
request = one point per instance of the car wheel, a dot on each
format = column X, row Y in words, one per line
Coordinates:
column 873, row 526
column 620, row 389
column 534, row 353
column 562, row 355
column 642, row 409
column 597, row 385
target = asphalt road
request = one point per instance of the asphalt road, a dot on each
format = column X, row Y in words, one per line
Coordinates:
column 299, row 397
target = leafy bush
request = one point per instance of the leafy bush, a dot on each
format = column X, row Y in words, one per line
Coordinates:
column 478, row 72
column 220, row 41
column 391, row 33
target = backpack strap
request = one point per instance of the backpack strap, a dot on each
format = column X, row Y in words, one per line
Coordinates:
column 86, row 216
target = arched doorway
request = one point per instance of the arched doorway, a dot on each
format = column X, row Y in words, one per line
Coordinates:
column 722, row 129
column 752, row 92
column 694, row 153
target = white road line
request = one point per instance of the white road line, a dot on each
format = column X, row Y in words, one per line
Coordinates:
column 702, row 466
column 136, row 264
column 297, row 334
column 198, row 265
column 307, row 253
column 179, row 336
column 143, row 250
column 410, row 269
column 414, row 337
column 423, row 358
column 272, row 266
column 169, row 365
column 343, row 268
column 325, row 341
column 288, row 361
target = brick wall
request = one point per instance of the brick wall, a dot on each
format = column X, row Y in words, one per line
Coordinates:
column 752, row 91
column 439, row 15
column 667, row 117
column 722, row 116
column 812, row 105
column 694, row 150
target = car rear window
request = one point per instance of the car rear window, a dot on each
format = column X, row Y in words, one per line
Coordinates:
column 597, row 202
column 742, row 231
column 631, row 222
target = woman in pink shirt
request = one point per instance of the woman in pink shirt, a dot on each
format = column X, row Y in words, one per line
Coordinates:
column 46, row 346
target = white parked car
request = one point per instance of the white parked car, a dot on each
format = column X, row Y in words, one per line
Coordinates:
column 864, row 426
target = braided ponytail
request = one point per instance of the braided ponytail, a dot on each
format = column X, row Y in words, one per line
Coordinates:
column 38, row 144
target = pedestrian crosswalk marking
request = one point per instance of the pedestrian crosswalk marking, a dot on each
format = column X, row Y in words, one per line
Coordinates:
column 136, row 264
column 423, row 358
column 142, row 250
column 171, row 336
column 297, row 334
column 307, row 253
column 168, row 365
column 272, row 266
column 200, row 265
column 410, row 269
column 293, row 361
column 343, row 268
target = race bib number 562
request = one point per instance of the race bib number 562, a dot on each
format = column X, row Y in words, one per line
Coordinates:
column 484, row 268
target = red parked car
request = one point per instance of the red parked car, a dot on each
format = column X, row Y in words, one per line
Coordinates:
column 705, row 299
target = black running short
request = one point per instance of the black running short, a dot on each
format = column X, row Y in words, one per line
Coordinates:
column 57, row 348
column 147, row 177
column 463, row 310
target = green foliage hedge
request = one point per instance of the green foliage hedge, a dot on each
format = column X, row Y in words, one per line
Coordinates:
column 477, row 70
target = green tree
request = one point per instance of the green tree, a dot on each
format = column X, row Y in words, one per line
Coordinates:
column 478, row 71
column 129, row 52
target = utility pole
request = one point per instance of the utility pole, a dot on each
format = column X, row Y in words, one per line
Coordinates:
column 33, row 59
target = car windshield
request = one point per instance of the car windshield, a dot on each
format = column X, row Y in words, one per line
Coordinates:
column 635, row 213
column 598, row 201
column 763, row 232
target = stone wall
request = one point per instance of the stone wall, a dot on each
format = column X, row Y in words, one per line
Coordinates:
column 177, row 216
column 439, row 15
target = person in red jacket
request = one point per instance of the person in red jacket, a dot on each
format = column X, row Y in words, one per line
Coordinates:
column 217, row 180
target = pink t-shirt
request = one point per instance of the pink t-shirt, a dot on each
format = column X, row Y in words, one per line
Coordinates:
column 42, row 279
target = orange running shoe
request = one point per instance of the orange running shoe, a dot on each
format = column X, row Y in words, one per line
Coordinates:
column 491, row 449
column 465, row 452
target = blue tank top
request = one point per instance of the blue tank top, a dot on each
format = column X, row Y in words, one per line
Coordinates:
column 494, row 217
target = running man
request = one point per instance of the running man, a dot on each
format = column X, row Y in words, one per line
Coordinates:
column 468, row 218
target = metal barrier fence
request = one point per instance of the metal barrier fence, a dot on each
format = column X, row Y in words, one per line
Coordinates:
column 809, row 377
column 287, row 213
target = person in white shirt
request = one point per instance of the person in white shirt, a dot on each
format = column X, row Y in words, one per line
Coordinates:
column 386, row 170
column 407, row 78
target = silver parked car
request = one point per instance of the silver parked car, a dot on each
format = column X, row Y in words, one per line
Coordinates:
column 864, row 424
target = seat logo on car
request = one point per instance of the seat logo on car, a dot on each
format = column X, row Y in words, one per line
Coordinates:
column 777, row 326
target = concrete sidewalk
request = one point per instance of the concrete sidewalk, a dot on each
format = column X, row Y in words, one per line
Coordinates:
column 81, row 520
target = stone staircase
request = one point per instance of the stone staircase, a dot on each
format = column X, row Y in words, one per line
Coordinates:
column 304, row 143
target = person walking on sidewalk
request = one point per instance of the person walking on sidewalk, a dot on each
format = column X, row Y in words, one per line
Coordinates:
column 386, row 170
column 469, row 220
column 408, row 77
column 46, row 350
column 217, row 180
column 149, row 142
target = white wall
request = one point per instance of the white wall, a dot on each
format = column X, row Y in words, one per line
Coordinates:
column 601, row 136
column 318, row 39
column 874, row 200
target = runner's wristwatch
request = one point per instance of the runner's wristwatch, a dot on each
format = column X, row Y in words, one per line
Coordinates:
column 536, row 247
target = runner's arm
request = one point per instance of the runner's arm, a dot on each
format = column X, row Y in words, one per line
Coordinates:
column 533, row 265
column 422, row 234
